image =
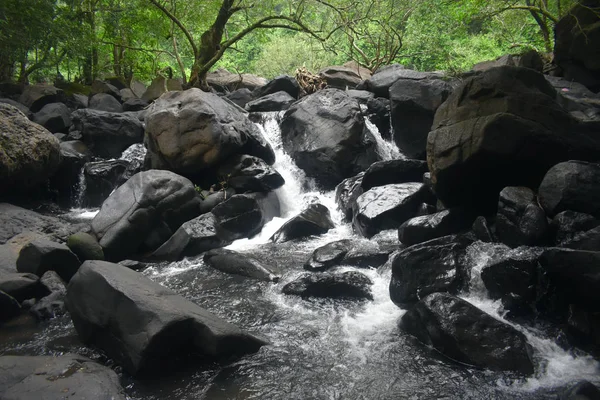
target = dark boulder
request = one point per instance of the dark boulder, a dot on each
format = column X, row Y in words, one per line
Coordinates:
column 190, row 131
column 425, row 268
column 134, row 320
column 241, row 97
column 347, row 192
column 101, row 178
column 107, row 134
column 283, row 83
column 249, row 174
column 314, row 220
column 427, row 227
column 9, row 307
column 325, row 135
column 520, row 221
column 42, row 255
column 19, row 106
column 21, row 286
column 73, row 156
column 500, row 128
column 482, row 230
column 57, row 378
column 340, row 77
column 35, row 97
column 224, row 81
column 351, row 285
column 566, row 225
column 356, row 253
column 378, row 110
column 387, row 172
column 277, row 101
column 572, row 185
column 232, row 262
column 85, row 246
column 575, row 97
column 381, row 81
column 588, row 240
column 462, row 332
column 52, row 305
column 213, row 199
column 56, row 117
column 530, row 59
column 387, row 207
column 105, row 102
column 144, row 212
column 583, row 390
column 104, row 87
column 413, row 106
column 135, row 104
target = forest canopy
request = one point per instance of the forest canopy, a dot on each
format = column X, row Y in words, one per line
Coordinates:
column 82, row 40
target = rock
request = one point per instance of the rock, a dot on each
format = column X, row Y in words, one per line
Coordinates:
column 426, row 209
column 215, row 198
column 340, row 77
column 427, row 227
column 387, row 207
column 381, row 81
column 18, row 105
column 157, row 87
column 277, row 101
column 241, row 97
column 482, row 230
column 107, row 134
column 325, row 135
column 413, row 106
column 356, row 253
column 137, row 87
column 35, row 97
column 571, row 185
column 144, row 212
column 105, row 102
column 188, row 132
column 576, row 44
column 574, row 96
column 530, row 59
column 101, row 179
column 52, row 305
column 347, row 192
column 57, row 378
column 379, row 114
column 140, row 335
column 85, row 246
column 430, row 267
column 588, row 240
column 583, row 390
column 80, row 101
column 29, row 154
column 9, row 307
column 462, row 332
column 127, row 94
column 225, row 81
column 135, row 104
column 42, row 255
column 133, row 264
column 21, row 286
column 250, row 174
column 283, row 83
column 362, row 96
column 102, row 87
column 491, row 132
column 232, row 262
column 520, row 221
column 314, row 220
column 383, row 173
column 351, row 285
column 73, row 154
column 56, row 117
column 566, row 225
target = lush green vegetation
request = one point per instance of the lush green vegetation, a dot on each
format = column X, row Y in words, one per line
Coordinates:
column 80, row 40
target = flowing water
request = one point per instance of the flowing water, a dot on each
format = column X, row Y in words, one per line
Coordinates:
column 323, row 349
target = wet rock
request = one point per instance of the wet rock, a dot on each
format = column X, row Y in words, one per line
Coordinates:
column 213, row 199
column 9, row 307
column 232, row 262
column 85, row 246
column 133, row 264
column 42, row 255
column 482, row 230
column 350, row 284
column 188, row 132
column 589, row 240
column 381, row 81
column 74, row 154
column 520, row 221
column 101, row 179
column 140, row 334
column 56, row 117
column 582, row 390
column 413, row 106
column 425, row 268
column 462, row 332
column 29, row 154
column 388, row 172
column 107, row 134
column 572, row 185
column 52, row 305
column 379, row 114
column 568, row 224
column 57, row 378
column 144, row 212
column 135, row 104
column 347, row 192
column 250, row 174
column 325, row 135
column 21, row 286
column 492, row 132
column 427, row 227
column 35, row 97
column 105, row 102
column 283, row 83
column 340, row 77
column 314, row 220
column 584, row 329
column 277, row 101
column 387, row 207
column 241, row 97
column 356, row 253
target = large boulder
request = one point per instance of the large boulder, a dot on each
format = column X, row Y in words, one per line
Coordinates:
column 427, row 227
column 520, row 220
column 159, row 86
column 43, row 255
column 225, row 81
column 29, row 154
column 21, row 286
column 101, row 178
column 141, row 324
column 277, row 101
column 347, row 192
column 104, row 87
column 35, row 97
column 393, row 171
column 56, row 117
column 572, row 185
column 241, row 97
column 340, row 77
column 188, row 132
column 283, row 83
column 566, row 225
column 325, row 135
column 530, row 59
column 107, row 134
column 381, row 81
column 144, row 212
column 314, row 220
column 500, row 128
column 232, row 262
column 246, row 173
column 356, row 253
column 105, row 102
column 351, row 285
column 462, row 332
column 387, row 207
column 577, row 40
column 52, row 305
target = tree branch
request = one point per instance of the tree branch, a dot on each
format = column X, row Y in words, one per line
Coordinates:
column 173, row 18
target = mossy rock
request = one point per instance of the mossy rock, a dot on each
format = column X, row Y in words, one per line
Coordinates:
column 71, row 88
column 85, row 246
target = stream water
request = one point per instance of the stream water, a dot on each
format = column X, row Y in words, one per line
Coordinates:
column 323, row 349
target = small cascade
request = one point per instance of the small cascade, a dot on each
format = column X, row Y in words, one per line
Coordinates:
column 387, row 150
column 80, row 186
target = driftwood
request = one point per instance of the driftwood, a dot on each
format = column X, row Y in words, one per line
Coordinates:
column 309, row 83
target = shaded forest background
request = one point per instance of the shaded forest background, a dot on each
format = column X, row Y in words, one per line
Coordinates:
column 81, row 40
